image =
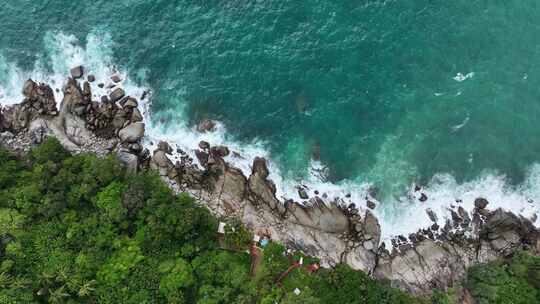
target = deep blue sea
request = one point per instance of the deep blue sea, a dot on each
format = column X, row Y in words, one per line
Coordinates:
column 341, row 95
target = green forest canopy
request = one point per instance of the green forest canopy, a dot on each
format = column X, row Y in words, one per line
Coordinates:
column 79, row 229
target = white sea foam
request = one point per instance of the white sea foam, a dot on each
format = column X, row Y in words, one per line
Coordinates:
column 461, row 125
column 460, row 77
column 397, row 215
column 61, row 53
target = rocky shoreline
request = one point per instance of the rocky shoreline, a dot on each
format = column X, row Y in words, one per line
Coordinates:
column 435, row 257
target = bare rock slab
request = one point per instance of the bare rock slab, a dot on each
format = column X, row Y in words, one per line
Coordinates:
column 117, row 94
column 132, row 133
column 77, row 72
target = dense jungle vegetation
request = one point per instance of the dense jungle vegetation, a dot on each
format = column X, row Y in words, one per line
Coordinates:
column 79, row 229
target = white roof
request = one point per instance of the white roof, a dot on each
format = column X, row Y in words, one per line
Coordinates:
column 221, row 227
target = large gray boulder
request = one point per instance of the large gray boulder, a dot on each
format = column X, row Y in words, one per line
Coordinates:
column 73, row 101
column 232, row 186
column 161, row 160
column 219, row 151
column 119, row 119
column 117, row 94
column 29, row 88
column 132, row 133
column 130, row 102
column 116, row 78
column 319, row 216
column 206, row 125
column 161, row 163
column 204, row 145
column 361, row 258
column 165, row 147
column 372, row 228
column 77, row 72
column 302, row 193
column 481, row 203
column 75, row 129
column 259, row 167
column 136, row 115
column 262, row 189
column 202, row 157
column 131, row 161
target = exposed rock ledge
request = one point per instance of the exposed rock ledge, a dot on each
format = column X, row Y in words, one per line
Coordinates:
column 432, row 258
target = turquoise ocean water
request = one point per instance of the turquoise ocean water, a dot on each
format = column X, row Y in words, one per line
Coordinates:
column 390, row 93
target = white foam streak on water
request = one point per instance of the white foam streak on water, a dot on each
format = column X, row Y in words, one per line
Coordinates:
column 402, row 215
column 460, row 77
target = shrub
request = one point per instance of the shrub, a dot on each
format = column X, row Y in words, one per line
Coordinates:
column 512, row 281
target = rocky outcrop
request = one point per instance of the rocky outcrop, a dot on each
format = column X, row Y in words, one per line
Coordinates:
column 206, row 125
column 161, row 162
column 262, row 189
column 74, row 102
column 441, row 260
column 130, row 160
column 117, row 94
column 480, row 203
column 80, row 124
column 435, row 257
column 38, row 101
column 318, row 215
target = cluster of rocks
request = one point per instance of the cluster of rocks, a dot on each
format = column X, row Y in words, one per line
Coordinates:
column 460, row 225
column 113, row 115
column 113, row 123
column 333, row 232
column 38, row 101
column 206, row 125
column 441, row 260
